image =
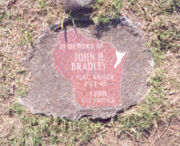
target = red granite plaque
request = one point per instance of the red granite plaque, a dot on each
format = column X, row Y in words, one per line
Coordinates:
column 93, row 67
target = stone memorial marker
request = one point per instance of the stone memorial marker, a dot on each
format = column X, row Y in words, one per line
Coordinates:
column 74, row 74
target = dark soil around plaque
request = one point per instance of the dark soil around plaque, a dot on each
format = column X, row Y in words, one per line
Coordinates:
column 53, row 94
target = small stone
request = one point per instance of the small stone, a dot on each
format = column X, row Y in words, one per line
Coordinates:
column 76, row 4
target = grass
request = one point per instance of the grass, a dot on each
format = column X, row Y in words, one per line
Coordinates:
column 11, row 77
column 16, row 107
column 104, row 11
column 20, row 29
